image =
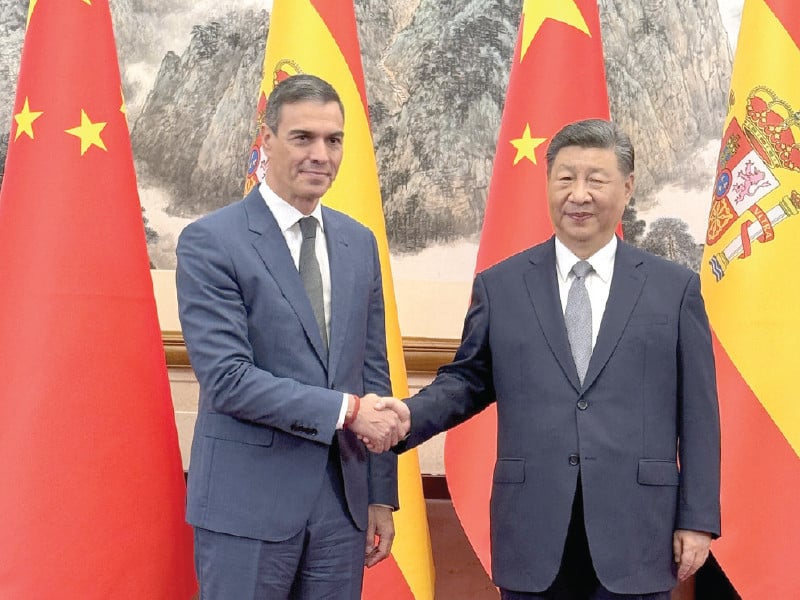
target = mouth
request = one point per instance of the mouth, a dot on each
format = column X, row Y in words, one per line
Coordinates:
column 580, row 217
column 315, row 174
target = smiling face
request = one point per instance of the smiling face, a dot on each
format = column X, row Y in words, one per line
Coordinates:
column 305, row 153
column 587, row 194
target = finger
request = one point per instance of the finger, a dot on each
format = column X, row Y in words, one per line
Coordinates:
column 686, row 568
column 380, row 552
column 677, row 548
column 370, row 560
column 370, row 545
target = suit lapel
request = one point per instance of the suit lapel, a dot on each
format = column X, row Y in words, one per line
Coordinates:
column 343, row 269
column 626, row 287
column 271, row 247
column 542, row 284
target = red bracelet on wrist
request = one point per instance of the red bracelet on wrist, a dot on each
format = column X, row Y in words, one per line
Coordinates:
column 356, row 405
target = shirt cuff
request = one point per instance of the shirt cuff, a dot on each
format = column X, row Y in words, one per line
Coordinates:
column 343, row 411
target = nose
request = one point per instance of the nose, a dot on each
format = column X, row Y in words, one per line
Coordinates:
column 580, row 192
column 318, row 151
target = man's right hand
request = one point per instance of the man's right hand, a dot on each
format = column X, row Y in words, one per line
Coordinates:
column 381, row 428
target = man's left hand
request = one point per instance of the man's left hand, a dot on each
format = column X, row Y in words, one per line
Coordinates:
column 690, row 549
column 380, row 534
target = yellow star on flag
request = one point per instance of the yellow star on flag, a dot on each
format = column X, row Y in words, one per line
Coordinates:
column 536, row 12
column 25, row 119
column 526, row 145
column 88, row 132
column 31, row 6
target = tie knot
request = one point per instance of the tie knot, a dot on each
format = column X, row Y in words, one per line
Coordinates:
column 581, row 269
column 308, row 227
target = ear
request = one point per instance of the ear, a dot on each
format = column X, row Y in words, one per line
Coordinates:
column 628, row 188
column 266, row 136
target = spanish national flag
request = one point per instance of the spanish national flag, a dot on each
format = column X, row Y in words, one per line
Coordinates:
column 319, row 37
column 557, row 77
column 751, row 289
column 92, row 493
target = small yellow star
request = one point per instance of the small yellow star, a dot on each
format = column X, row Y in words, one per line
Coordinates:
column 88, row 132
column 526, row 146
column 25, row 119
column 536, row 12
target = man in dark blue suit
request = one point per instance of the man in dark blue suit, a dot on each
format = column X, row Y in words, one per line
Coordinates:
column 281, row 306
column 599, row 356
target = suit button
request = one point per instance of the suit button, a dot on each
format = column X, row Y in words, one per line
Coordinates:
column 574, row 459
column 583, row 404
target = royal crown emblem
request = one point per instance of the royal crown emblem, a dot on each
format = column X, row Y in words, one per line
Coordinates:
column 751, row 158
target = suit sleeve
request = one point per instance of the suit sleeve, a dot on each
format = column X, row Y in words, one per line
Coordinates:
column 214, row 323
column 699, row 444
column 462, row 388
column 382, row 467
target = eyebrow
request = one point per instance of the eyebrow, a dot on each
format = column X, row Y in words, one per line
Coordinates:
column 339, row 134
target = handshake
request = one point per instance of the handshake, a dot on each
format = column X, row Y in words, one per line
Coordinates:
column 378, row 422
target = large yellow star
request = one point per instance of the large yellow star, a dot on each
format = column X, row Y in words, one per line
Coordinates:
column 25, row 119
column 88, row 132
column 526, row 145
column 536, row 11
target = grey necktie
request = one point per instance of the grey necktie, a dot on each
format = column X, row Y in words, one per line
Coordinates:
column 578, row 317
column 311, row 276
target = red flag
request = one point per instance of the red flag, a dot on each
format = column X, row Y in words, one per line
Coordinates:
column 751, row 290
column 93, row 491
column 557, row 77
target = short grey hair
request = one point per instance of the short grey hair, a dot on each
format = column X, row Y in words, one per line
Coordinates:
column 298, row 88
column 594, row 133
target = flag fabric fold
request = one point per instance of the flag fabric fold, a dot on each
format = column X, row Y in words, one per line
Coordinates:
column 557, row 76
column 93, row 489
column 750, row 289
column 335, row 56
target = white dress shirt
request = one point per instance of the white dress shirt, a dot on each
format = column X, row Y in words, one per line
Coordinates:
column 288, row 218
column 598, row 281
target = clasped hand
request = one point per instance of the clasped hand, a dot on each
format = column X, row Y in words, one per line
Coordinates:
column 381, row 422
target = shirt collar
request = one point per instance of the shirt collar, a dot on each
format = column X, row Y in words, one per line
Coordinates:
column 285, row 214
column 602, row 261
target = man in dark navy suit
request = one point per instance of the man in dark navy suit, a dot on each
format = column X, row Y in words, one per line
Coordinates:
column 599, row 357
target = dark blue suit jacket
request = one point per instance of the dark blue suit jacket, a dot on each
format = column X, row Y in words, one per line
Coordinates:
column 268, row 401
column 649, row 399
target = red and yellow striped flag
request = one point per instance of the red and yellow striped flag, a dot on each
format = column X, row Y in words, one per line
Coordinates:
column 319, row 37
column 92, row 492
column 557, row 77
column 751, row 291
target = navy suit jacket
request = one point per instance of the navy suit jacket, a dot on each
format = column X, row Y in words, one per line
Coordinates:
column 269, row 403
column 648, row 399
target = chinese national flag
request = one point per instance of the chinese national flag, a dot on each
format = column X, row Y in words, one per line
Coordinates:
column 557, row 77
column 92, row 485
column 751, row 289
column 335, row 56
